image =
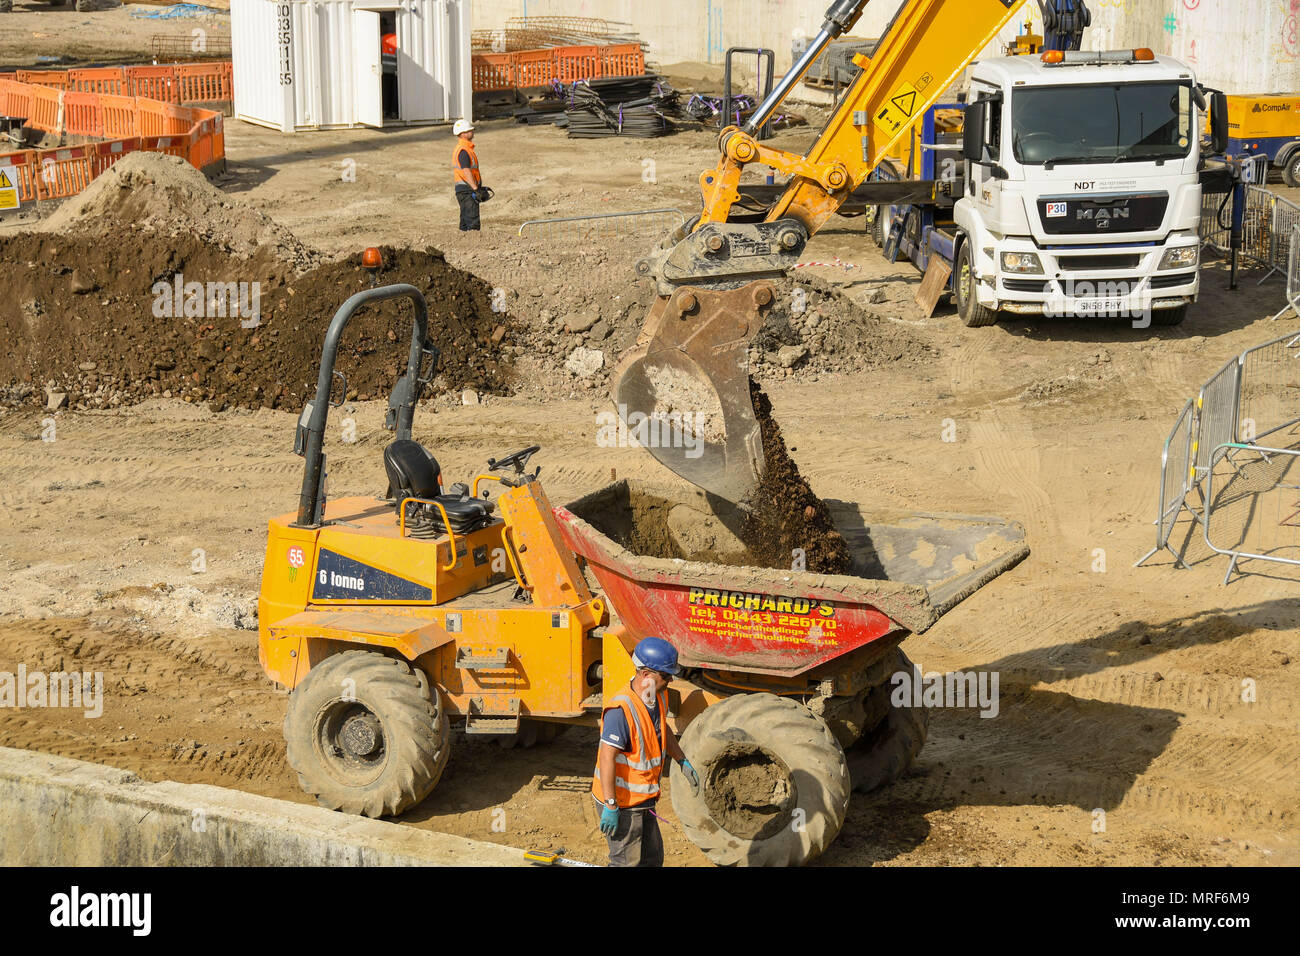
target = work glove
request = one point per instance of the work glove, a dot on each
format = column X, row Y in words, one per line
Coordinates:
column 609, row 820
column 692, row 777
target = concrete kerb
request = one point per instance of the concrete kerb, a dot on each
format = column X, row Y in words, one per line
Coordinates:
column 55, row 811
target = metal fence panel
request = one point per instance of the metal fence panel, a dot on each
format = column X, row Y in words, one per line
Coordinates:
column 1255, row 511
column 1269, row 396
column 1216, row 415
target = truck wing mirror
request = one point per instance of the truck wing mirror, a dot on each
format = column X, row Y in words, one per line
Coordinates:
column 972, row 133
column 1219, row 123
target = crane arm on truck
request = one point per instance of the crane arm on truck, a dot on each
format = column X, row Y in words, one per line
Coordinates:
column 691, row 358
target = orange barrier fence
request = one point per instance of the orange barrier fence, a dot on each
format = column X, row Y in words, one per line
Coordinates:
column 506, row 71
column 128, row 123
column 171, row 82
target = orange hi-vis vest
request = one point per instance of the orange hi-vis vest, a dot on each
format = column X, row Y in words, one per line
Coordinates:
column 469, row 177
column 636, row 772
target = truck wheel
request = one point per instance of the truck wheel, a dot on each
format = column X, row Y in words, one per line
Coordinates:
column 880, row 227
column 883, row 754
column 973, row 315
column 531, row 733
column 1169, row 316
column 1291, row 171
column 774, row 785
column 367, row 734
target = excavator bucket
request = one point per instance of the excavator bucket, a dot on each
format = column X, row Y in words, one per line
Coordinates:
column 683, row 389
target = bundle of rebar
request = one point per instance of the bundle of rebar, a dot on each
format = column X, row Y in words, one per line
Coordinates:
column 542, row 33
column 591, row 115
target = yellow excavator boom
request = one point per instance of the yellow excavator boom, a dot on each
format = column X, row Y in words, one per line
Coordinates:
column 689, row 367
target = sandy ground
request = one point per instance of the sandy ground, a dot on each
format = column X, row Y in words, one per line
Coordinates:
column 36, row 32
column 1121, row 687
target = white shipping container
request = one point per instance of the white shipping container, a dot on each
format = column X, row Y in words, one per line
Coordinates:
column 318, row 64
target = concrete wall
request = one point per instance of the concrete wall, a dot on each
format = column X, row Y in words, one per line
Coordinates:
column 60, row 812
column 1239, row 46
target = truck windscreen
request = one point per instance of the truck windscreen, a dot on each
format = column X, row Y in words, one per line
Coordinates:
column 1132, row 122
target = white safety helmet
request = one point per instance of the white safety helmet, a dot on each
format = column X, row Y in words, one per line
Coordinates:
column 462, row 126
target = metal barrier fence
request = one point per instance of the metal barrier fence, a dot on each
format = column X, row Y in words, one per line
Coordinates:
column 1292, row 277
column 1253, row 396
column 1267, row 226
column 1257, row 508
column 604, row 225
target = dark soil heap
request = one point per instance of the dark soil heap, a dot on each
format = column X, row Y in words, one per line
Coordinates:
column 784, row 514
column 93, row 329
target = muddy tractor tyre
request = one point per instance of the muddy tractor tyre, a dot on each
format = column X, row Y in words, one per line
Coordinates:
column 774, row 784
column 885, row 753
column 973, row 315
column 367, row 734
column 532, row 733
column 1291, row 170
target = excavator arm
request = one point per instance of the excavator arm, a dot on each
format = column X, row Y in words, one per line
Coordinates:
column 690, row 365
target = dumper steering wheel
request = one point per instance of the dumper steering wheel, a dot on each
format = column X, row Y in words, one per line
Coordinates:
column 518, row 460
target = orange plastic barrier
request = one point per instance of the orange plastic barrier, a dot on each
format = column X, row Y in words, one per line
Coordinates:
column 46, row 112
column 205, row 82
column 106, row 79
column 578, row 63
column 82, row 115
column 536, row 68
column 118, row 116
column 55, row 78
column 625, row 59
column 154, row 82
column 129, row 123
column 492, row 71
column 504, row 71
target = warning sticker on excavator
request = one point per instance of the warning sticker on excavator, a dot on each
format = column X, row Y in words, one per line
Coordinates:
column 8, row 188
column 898, row 111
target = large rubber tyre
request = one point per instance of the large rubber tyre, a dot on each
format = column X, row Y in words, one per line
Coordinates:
column 885, row 753
column 880, row 227
column 363, row 699
column 1169, row 316
column 532, row 733
column 762, row 747
column 1291, row 170
column 973, row 315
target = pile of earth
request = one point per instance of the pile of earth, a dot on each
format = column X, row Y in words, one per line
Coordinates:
column 167, row 196
column 582, row 320
column 96, row 320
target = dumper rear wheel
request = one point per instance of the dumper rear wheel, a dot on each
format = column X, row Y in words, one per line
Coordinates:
column 884, row 754
column 367, row 734
column 774, row 784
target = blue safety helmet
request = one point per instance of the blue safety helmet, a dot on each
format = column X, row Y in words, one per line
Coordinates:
column 656, row 654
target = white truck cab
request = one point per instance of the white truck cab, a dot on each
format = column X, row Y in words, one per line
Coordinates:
column 1083, row 193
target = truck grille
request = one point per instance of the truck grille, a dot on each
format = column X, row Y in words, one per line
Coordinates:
column 1025, row 285
column 1169, row 282
column 1096, row 263
column 1093, row 215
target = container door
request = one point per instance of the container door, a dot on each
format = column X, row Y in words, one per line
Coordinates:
column 367, row 71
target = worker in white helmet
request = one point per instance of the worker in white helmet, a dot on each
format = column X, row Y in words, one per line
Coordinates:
column 470, row 191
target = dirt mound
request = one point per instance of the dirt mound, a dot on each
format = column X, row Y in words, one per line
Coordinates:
column 166, row 195
column 115, row 330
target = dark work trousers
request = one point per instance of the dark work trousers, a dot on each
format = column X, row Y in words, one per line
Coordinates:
column 636, row 841
column 469, row 221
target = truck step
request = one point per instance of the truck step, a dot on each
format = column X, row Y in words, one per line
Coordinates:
column 496, row 722
column 468, row 660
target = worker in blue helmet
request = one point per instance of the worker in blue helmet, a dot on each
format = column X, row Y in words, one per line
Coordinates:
column 635, row 739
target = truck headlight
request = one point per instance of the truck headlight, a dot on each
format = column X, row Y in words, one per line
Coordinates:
column 1023, row 263
column 1181, row 257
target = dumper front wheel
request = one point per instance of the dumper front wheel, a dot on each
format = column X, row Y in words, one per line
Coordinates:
column 885, row 752
column 367, row 734
column 774, row 784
